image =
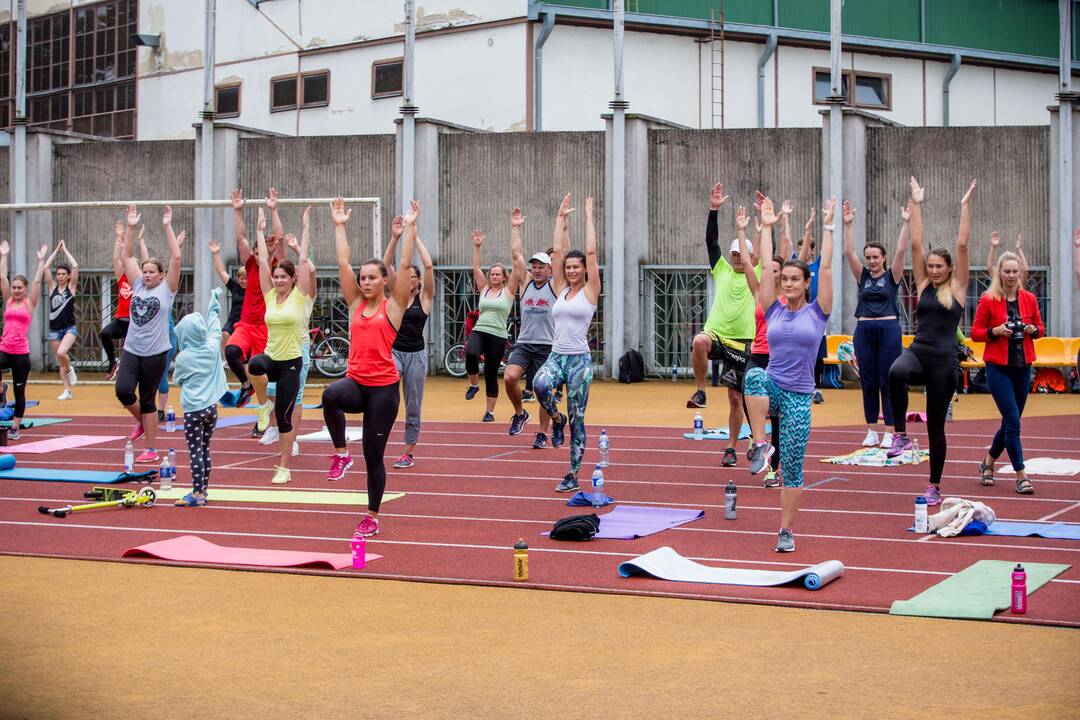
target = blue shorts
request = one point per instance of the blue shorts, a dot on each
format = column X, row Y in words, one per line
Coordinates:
column 59, row 334
column 305, row 353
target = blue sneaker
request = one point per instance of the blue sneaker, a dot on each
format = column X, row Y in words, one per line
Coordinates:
column 540, row 442
column 517, row 423
column 568, row 484
column 471, row 392
column 558, row 430
column 489, row 417
column 191, row 500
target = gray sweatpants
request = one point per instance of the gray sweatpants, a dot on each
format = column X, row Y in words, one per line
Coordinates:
column 412, row 366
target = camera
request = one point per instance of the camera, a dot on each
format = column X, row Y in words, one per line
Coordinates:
column 1016, row 329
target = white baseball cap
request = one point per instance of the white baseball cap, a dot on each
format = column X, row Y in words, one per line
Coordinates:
column 736, row 247
column 541, row 257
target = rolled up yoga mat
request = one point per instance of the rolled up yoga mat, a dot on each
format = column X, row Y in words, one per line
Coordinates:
column 666, row 564
column 7, row 462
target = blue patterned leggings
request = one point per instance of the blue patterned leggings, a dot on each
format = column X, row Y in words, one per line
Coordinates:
column 794, row 411
column 575, row 371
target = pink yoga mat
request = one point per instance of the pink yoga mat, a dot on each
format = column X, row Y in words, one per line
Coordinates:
column 189, row 548
column 57, row 444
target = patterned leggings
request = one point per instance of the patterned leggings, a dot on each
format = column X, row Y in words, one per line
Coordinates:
column 794, row 411
column 198, row 429
column 575, row 371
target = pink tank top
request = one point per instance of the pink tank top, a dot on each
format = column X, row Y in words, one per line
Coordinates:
column 16, row 325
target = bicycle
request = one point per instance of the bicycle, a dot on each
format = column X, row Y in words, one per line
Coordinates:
column 454, row 360
column 329, row 353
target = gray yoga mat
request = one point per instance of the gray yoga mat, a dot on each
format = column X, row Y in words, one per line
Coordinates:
column 666, row 564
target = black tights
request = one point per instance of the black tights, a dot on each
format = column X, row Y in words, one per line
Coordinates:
column 116, row 330
column 379, row 406
column 235, row 357
column 20, row 370
column 492, row 348
column 286, row 373
column 939, row 377
column 144, row 373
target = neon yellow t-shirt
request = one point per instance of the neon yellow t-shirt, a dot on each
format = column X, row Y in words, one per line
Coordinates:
column 732, row 313
column 285, row 323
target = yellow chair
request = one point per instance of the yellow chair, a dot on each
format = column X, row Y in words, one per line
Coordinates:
column 1075, row 351
column 978, row 348
column 832, row 345
column 1050, row 352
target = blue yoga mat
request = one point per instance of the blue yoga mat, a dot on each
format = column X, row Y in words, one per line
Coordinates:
column 225, row 421
column 29, row 403
column 722, row 433
column 81, row 476
column 1054, row 531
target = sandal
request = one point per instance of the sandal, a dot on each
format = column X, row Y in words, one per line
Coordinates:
column 1024, row 487
column 192, row 500
column 986, row 474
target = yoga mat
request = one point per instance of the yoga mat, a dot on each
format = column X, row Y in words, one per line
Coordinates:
column 188, row 548
column 7, row 462
column 301, row 497
column 1047, row 466
column 875, row 457
column 252, row 405
column 66, row 442
column 629, row 522
column 352, row 434
column 29, row 403
column 976, row 592
column 1054, row 531
column 225, row 421
column 666, row 564
column 84, row 476
column 35, row 422
column 721, row 433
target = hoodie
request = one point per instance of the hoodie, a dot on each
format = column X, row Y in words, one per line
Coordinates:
column 197, row 368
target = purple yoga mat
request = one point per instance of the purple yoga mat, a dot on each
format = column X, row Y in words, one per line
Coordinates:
column 629, row 522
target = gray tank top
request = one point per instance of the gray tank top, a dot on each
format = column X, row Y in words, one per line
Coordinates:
column 537, row 327
column 148, row 333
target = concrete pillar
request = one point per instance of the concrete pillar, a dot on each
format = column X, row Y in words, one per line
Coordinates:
column 39, row 229
column 226, row 177
column 1065, row 296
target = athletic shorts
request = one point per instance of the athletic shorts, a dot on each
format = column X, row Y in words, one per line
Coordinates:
column 59, row 334
column 305, row 351
column 529, row 357
column 251, row 339
column 732, row 361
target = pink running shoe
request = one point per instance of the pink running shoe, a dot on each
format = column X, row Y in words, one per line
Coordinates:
column 136, row 433
column 932, row 494
column 900, row 445
column 147, row 456
column 368, row 527
column 338, row 465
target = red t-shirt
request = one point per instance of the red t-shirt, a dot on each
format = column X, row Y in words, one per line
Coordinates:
column 370, row 340
column 123, row 303
column 760, row 345
column 253, row 311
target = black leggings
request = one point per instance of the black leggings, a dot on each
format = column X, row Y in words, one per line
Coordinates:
column 20, row 370
column 286, row 373
column 492, row 348
column 379, row 406
column 235, row 357
column 939, row 377
column 143, row 373
column 116, row 330
column 198, row 430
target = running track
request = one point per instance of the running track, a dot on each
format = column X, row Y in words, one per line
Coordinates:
column 474, row 491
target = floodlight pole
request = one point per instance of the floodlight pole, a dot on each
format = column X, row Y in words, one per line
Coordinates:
column 408, row 112
column 18, row 185
column 616, row 259
column 836, row 163
column 203, row 277
column 1062, row 322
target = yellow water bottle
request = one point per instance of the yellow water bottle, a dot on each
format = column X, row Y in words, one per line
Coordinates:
column 521, row 561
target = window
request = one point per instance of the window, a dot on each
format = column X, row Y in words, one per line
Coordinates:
column 313, row 89
column 227, row 101
column 387, row 78
column 872, row 90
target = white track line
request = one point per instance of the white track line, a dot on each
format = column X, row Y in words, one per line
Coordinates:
column 1062, row 511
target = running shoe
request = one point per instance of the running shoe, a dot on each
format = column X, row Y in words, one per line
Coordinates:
column 295, row 448
column 540, row 442
column 281, row 475
column 405, row 460
column 528, row 396
column 932, row 494
column 242, row 397
column 772, row 479
column 66, row 395
column 488, row 417
column 148, row 455
column 730, row 459
column 72, row 377
column 270, row 437
column 517, row 423
column 818, row 399
column 785, row 541
column 338, row 465
column 368, row 527
column 568, row 484
column 759, row 457
column 558, row 431
column 871, row 438
column 113, row 369
column 136, row 433
column 886, row 440
column 191, row 500
column 14, row 434
column 697, row 400
column 900, row 445
column 471, row 392
column 263, row 420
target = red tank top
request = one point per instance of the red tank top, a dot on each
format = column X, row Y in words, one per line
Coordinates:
column 370, row 340
column 253, row 310
column 123, row 303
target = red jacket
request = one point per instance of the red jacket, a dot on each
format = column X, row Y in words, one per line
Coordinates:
column 992, row 312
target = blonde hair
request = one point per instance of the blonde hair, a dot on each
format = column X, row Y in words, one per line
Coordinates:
column 996, row 289
column 944, row 290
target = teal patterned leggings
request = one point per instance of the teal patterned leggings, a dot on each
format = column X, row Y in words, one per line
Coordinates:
column 575, row 371
column 794, row 411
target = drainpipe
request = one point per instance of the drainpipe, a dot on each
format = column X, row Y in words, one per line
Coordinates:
column 836, row 157
column 618, row 196
column 538, row 69
column 770, row 48
column 18, row 186
column 408, row 112
column 953, row 67
column 203, row 281
column 1063, row 324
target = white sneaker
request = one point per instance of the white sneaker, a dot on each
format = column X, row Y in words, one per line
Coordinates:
column 270, row 437
column 66, row 395
column 886, row 440
column 72, row 377
column 871, row 438
column 295, row 448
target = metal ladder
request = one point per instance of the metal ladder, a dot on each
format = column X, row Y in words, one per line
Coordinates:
column 716, row 63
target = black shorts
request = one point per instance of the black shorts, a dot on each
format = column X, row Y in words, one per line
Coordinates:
column 758, row 360
column 732, row 361
column 529, row 357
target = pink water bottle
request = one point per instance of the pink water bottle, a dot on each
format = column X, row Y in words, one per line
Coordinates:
column 359, row 552
column 1019, row 590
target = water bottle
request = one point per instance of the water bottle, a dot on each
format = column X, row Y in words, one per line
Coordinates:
column 129, row 457
column 730, row 498
column 699, row 426
column 165, row 475
column 1019, row 590
column 170, row 419
column 358, row 545
column 605, row 446
column 521, row 561
column 922, row 520
column 598, row 487
column 916, row 456
column 674, row 373
column 172, row 464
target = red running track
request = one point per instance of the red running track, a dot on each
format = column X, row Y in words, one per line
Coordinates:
column 474, row 491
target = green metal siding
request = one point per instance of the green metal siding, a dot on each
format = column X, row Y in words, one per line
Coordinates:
column 896, row 19
column 1027, row 27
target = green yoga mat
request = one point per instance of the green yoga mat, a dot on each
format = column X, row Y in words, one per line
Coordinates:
column 33, row 422
column 976, row 592
column 304, row 497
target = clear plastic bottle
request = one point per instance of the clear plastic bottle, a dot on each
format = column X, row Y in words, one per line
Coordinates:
column 674, row 373
column 129, row 457
column 916, row 457
column 922, row 521
column 165, row 475
column 605, row 446
column 730, row 500
column 699, row 426
column 172, row 463
column 597, row 487
column 170, row 419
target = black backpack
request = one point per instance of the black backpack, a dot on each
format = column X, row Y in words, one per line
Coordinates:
column 631, row 367
column 576, row 527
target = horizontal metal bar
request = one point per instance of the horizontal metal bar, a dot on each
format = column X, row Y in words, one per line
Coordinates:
column 108, row 204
